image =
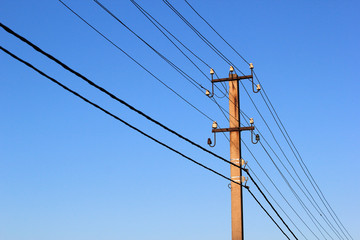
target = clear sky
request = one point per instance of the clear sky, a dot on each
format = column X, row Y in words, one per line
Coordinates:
column 68, row 171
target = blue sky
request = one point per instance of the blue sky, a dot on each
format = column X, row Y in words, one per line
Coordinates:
column 68, row 171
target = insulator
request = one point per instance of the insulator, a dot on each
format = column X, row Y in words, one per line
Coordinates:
column 231, row 69
column 212, row 71
column 258, row 87
column 209, row 141
column 257, row 137
column 214, row 125
column 251, row 121
column 207, row 92
column 251, row 66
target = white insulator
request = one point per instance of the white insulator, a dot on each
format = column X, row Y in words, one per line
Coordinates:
column 231, row 69
column 214, row 125
column 251, row 121
column 207, row 92
column 258, row 87
column 212, row 71
column 251, row 66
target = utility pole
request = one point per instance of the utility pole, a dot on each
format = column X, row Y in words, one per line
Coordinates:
column 235, row 129
column 235, row 157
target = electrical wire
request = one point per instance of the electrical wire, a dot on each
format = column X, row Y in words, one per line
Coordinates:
column 159, row 26
column 302, row 164
column 267, row 213
column 185, row 75
column 114, row 116
column 217, row 32
column 311, row 216
column 133, row 59
column 38, row 49
column 138, row 130
column 267, row 200
column 216, row 50
column 307, row 172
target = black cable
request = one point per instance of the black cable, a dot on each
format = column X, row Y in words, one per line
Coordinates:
column 308, row 172
column 313, row 202
column 267, row 200
column 159, row 26
column 136, row 129
column 278, row 190
column 217, row 33
column 258, row 179
column 214, row 49
column 203, row 38
column 139, row 64
column 153, row 20
column 263, row 138
column 136, row 61
column 267, row 212
column 38, row 49
column 114, row 116
column 121, row 101
column 312, row 217
column 185, row 75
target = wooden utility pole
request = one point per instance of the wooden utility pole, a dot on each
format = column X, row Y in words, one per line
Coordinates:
column 237, row 223
column 235, row 157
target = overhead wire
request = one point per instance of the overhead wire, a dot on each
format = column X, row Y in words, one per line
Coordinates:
column 159, row 26
column 306, row 209
column 300, row 160
column 217, row 32
column 185, row 75
column 113, row 115
column 116, row 98
column 207, row 42
column 135, row 61
column 222, row 111
column 138, row 130
column 38, row 49
column 307, row 172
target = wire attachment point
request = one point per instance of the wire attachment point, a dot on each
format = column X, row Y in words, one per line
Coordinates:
column 257, row 137
column 207, row 93
column 209, row 142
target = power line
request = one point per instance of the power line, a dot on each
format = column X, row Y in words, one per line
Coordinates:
column 267, row 200
column 38, row 49
column 112, row 115
column 307, row 172
column 266, row 212
column 202, row 37
column 262, row 137
column 312, row 217
column 217, row 33
column 138, row 130
column 228, row 61
column 258, row 179
column 222, row 56
column 134, row 60
column 139, row 64
column 159, row 26
column 185, row 75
